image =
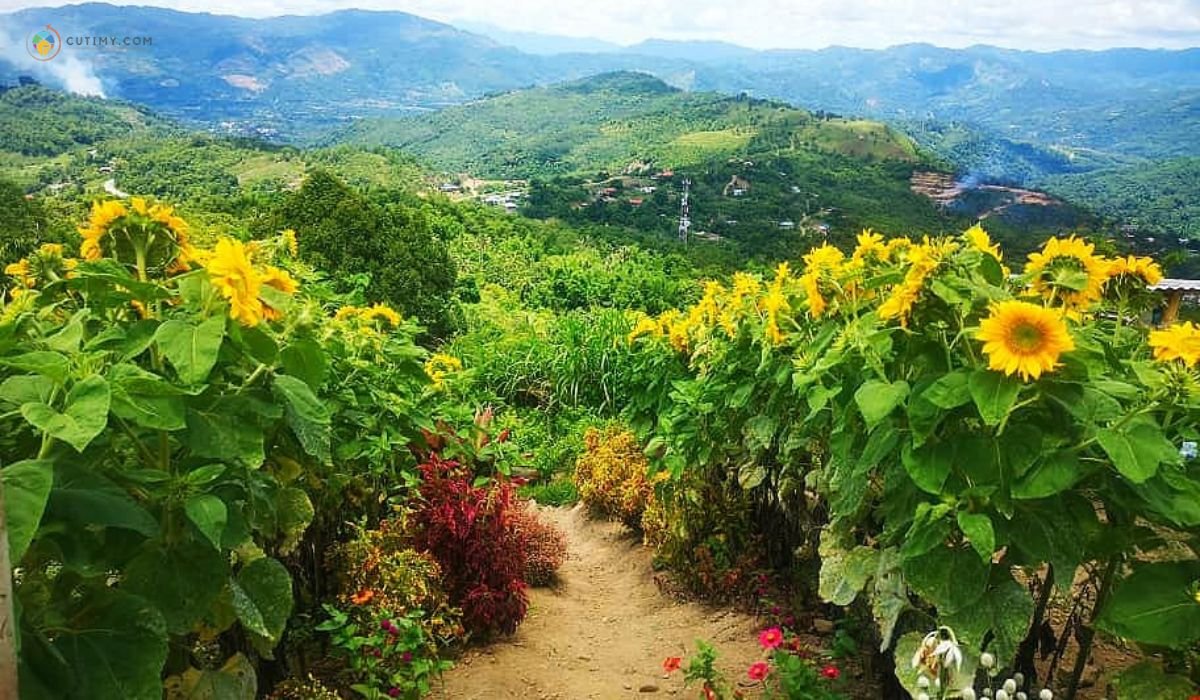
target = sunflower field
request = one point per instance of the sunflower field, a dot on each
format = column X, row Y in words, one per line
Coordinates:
column 944, row 443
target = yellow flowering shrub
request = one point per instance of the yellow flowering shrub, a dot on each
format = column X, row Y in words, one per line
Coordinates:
column 611, row 475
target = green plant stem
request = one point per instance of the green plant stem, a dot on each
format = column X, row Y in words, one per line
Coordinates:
column 1087, row 633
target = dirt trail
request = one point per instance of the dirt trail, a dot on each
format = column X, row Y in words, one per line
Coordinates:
column 602, row 632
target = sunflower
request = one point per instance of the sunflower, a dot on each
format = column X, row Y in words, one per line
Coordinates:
column 1178, row 342
column 979, row 240
column 440, row 365
column 1068, row 271
column 818, row 263
column 645, row 327
column 101, row 219
column 772, row 304
column 870, row 246
column 382, row 312
column 290, row 242
column 1133, row 267
column 1023, row 338
column 232, row 273
column 20, row 271
column 923, row 259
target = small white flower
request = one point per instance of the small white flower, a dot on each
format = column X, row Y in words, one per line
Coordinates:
column 1010, row 686
column 1021, row 695
column 987, row 692
column 987, row 660
column 922, row 696
column 922, row 682
column 1001, row 694
column 1046, row 694
column 968, row 694
column 1019, row 678
column 950, row 654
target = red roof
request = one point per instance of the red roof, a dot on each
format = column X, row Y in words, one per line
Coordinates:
column 636, row 201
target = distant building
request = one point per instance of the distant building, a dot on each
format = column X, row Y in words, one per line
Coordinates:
column 449, row 187
column 787, row 224
column 648, row 189
column 636, row 201
column 737, row 186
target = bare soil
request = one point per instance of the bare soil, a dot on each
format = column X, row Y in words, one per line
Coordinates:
column 603, row 631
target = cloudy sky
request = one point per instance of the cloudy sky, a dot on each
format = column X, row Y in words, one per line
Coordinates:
column 1034, row 24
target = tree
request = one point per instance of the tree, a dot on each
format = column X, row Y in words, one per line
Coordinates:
column 344, row 232
column 22, row 223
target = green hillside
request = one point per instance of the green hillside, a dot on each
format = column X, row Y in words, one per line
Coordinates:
column 1161, row 198
column 613, row 121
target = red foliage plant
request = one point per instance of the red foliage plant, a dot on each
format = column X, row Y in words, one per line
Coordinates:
column 545, row 545
column 467, row 529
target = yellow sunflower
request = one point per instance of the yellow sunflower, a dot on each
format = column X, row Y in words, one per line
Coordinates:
column 645, row 327
column 870, row 246
column 1023, row 338
column 923, row 259
column 382, row 312
column 819, row 262
column 979, row 240
column 439, row 366
column 772, row 304
column 1144, row 269
column 102, row 217
column 1178, row 342
column 21, row 272
column 1068, row 271
column 290, row 242
column 232, row 273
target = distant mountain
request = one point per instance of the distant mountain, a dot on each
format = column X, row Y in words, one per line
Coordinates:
column 1160, row 198
column 697, row 51
column 540, row 44
column 615, row 121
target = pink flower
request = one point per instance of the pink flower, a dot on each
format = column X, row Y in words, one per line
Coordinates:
column 831, row 672
column 771, row 638
column 758, row 670
column 393, row 692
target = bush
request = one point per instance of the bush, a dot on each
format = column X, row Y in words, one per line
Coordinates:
column 558, row 493
column 545, row 545
column 379, row 569
column 468, row 530
column 611, row 475
column 296, row 689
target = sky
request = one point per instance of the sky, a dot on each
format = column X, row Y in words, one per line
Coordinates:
column 1026, row 24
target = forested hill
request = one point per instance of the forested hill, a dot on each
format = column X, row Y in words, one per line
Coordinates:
column 614, row 121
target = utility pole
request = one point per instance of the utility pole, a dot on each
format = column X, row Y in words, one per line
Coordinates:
column 685, row 220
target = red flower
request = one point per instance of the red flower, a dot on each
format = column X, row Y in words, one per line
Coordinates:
column 504, row 434
column 831, row 672
column 771, row 638
column 758, row 670
column 671, row 664
column 709, row 693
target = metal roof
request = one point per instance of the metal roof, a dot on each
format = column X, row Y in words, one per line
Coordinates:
column 1177, row 285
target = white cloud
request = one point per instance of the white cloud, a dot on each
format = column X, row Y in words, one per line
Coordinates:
column 1035, row 24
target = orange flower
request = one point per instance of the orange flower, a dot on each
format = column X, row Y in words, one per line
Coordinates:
column 362, row 597
column 671, row 664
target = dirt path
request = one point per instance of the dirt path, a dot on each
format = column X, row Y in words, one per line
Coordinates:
column 602, row 632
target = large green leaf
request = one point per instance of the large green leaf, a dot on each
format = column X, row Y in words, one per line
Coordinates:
column 182, row 579
column 877, row 399
column 1146, row 681
column 979, row 532
column 1056, row 473
column 235, row 680
column 220, row 431
column 84, row 418
column 307, row 416
column 146, row 399
column 844, row 572
column 1005, row 611
column 262, row 597
column 191, row 348
column 53, row 365
column 209, row 514
column 84, row 500
column 994, row 394
column 26, row 388
column 949, row 391
column 1138, row 449
column 113, row 648
column 304, row 358
column 929, row 465
column 1156, row 604
column 949, row 578
column 26, row 488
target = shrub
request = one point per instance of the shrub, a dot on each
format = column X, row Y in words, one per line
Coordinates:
column 296, row 689
column 611, row 475
column 560, row 492
column 379, row 570
column 468, row 530
column 545, row 545
column 387, row 655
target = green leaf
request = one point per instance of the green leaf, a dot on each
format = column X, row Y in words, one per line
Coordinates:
column 114, row 647
column 844, row 572
column 929, row 465
column 294, row 512
column 306, row 360
column 182, row 580
column 85, row 417
column 1156, row 604
column 978, row 529
column 1146, row 681
column 951, row 579
column 307, row 416
column 235, row 680
column 85, row 500
column 26, row 489
column 929, row 530
column 67, row 339
column 877, row 399
column 1137, row 450
column 220, row 432
column 146, row 399
column 26, row 388
column 1054, row 474
column 191, row 349
column 1005, row 611
column 209, row 514
column 262, row 597
column 949, row 391
column 994, row 394
column 750, row 475
column 53, row 365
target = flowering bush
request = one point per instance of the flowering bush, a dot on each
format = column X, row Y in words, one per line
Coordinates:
column 388, row 655
column 612, row 475
column 545, row 545
column 469, row 531
column 954, row 423
column 785, row 674
column 165, row 429
column 308, row 689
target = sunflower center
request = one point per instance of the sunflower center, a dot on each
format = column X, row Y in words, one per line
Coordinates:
column 1026, row 337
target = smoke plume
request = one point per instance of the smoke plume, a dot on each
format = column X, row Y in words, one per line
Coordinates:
column 65, row 69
